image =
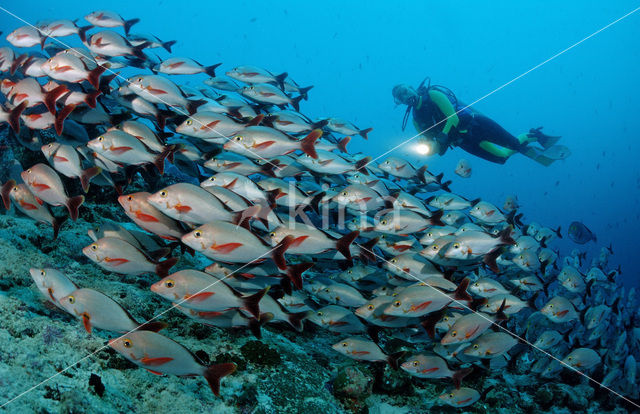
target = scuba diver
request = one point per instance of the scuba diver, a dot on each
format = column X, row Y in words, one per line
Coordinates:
column 444, row 122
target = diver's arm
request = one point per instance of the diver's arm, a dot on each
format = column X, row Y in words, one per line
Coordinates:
column 444, row 104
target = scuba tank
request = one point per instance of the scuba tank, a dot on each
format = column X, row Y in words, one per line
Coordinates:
column 422, row 90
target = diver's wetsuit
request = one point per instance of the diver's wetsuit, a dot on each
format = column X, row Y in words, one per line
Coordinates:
column 468, row 129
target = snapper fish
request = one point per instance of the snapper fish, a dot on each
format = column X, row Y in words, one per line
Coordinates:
column 265, row 143
column 97, row 310
column 109, row 19
column 185, row 66
column 433, row 367
column 463, row 169
column 491, row 345
column 28, row 204
column 161, row 355
column 343, row 127
column 149, row 218
column 205, row 292
column 117, row 255
column 253, row 74
column 582, row 359
column 365, row 350
column 25, row 36
column 265, row 93
column 53, row 284
column 109, row 43
column 559, row 309
column 189, row 203
column 47, row 186
column 580, row 233
column 66, row 160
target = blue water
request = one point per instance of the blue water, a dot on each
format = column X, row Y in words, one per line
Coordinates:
column 354, row 52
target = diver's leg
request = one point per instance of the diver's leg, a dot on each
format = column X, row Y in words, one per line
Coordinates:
column 487, row 151
column 486, row 129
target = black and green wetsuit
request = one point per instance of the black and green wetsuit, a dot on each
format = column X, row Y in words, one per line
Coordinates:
column 467, row 129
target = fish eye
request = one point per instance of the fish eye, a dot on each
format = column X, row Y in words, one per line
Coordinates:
column 101, row 138
column 163, row 193
column 169, row 283
column 456, row 246
column 127, row 343
column 15, row 188
column 139, row 80
column 430, row 234
column 344, row 193
column 454, row 333
column 344, row 344
column 42, row 273
column 451, row 395
column 394, row 260
column 29, row 171
column 272, row 234
column 383, row 222
column 476, row 284
column 189, row 122
column 434, row 247
column 319, row 314
column 350, row 271
column 570, row 358
column 416, row 363
column 238, row 138
column 197, row 233
column 476, row 346
column 129, row 198
column 370, row 307
column 387, row 162
column 94, row 247
column 72, row 299
column 397, row 303
column 551, row 305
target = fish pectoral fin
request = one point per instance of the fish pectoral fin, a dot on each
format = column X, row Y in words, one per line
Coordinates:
column 263, row 145
column 155, row 372
column 120, row 150
column 155, row 361
column 198, row 297
column 86, row 322
column 225, row 248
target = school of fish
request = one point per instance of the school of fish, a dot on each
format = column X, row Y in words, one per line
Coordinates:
column 297, row 229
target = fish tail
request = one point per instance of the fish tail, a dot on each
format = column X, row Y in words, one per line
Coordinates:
column 14, row 116
column 343, row 244
column 211, row 70
column 167, row 45
column 252, row 302
column 128, row 24
column 342, row 145
column 82, row 32
column 505, row 236
column 280, row 80
column 153, row 326
column 94, row 76
column 52, row 96
column 366, row 250
column 56, row 224
column 162, row 268
column 304, row 92
column 393, row 359
column 278, row 252
column 255, row 325
column 214, row 373
column 6, row 189
column 459, row 375
column 137, row 50
column 87, row 175
column 429, row 323
column 159, row 161
column 436, row 218
column 295, row 319
column 91, row 98
column 489, row 259
column 61, row 116
column 192, row 106
column 295, row 273
column 461, row 291
column 308, row 143
column 295, row 102
column 73, row 204
column 364, row 133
